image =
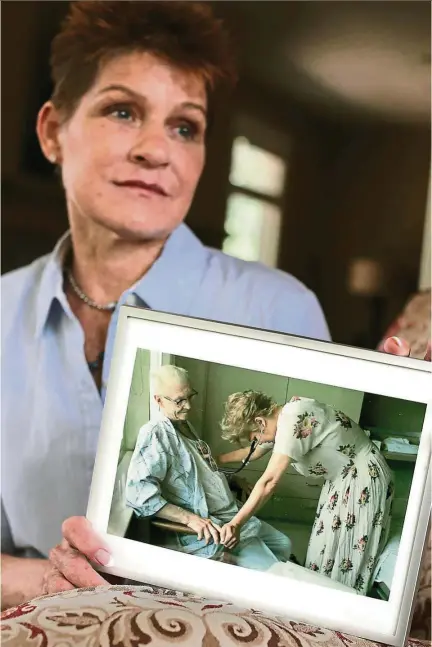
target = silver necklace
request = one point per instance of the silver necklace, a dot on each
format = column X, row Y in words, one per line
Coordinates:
column 92, row 304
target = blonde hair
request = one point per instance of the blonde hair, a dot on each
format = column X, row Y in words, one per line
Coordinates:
column 165, row 376
column 241, row 410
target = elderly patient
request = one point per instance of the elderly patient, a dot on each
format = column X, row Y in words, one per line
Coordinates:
column 173, row 475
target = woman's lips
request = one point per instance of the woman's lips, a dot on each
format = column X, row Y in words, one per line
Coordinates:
column 142, row 187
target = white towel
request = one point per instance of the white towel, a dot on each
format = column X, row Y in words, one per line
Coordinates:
column 399, row 445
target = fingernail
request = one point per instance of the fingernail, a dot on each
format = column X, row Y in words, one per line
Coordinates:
column 397, row 340
column 103, row 557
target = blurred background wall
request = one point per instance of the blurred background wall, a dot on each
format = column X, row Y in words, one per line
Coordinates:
column 332, row 114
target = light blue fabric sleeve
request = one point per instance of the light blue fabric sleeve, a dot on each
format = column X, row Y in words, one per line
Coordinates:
column 309, row 322
column 147, row 471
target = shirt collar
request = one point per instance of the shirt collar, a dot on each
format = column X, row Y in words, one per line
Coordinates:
column 169, row 286
column 51, row 285
column 173, row 280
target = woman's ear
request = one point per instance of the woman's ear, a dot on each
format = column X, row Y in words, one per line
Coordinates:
column 47, row 130
column 261, row 422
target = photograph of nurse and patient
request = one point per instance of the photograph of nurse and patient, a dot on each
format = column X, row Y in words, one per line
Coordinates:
column 296, row 478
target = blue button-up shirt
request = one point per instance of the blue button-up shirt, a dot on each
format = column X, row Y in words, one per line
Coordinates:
column 51, row 407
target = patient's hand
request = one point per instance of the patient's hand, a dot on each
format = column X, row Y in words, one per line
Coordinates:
column 204, row 528
column 398, row 346
column 230, row 535
column 69, row 562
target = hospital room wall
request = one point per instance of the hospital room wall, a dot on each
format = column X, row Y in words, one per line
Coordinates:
column 391, row 417
column 138, row 410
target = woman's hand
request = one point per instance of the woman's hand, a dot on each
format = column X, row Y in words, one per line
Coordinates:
column 397, row 346
column 204, row 528
column 230, row 535
column 69, row 562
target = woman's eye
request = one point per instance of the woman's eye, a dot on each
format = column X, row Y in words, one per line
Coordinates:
column 122, row 113
column 187, row 131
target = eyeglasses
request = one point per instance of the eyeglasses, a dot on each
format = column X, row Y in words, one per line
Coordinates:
column 180, row 402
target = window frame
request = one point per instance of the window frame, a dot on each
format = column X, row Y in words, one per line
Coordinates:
column 272, row 141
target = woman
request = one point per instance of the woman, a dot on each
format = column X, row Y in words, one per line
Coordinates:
column 353, row 515
column 134, row 88
column 126, row 126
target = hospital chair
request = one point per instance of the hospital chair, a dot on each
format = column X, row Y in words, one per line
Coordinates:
column 122, row 521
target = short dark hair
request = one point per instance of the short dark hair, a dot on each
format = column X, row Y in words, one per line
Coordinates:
column 184, row 34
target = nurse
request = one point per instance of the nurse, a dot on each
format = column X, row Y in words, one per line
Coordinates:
column 354, row 510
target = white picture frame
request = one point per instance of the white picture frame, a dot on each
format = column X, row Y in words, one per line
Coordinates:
column 328, row 364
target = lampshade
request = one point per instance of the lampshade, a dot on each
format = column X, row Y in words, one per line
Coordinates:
column 365, row 277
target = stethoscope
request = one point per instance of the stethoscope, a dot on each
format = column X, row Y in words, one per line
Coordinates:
column 254, row 444
column 245, row 461
column 231, row 471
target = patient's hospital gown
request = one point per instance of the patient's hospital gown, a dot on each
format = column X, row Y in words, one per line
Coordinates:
column 167, row 467
column 353, row 514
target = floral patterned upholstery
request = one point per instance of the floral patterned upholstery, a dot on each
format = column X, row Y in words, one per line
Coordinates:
column 134, row 616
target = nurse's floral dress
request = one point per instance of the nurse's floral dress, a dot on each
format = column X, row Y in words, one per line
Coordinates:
column 354, row 510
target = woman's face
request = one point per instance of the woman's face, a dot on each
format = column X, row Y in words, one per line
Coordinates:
column 267, row 429
column 133, row 151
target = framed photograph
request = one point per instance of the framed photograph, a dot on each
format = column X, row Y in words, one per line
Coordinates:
column 320, row 452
